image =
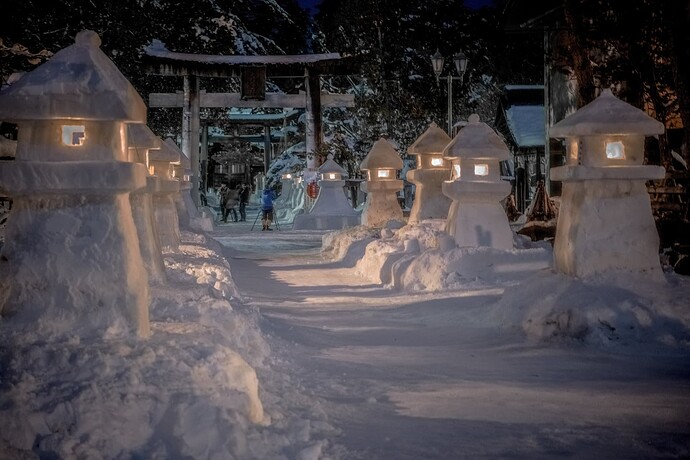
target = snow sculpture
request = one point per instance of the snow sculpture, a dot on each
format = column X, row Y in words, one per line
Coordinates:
column 432, row 170
column 164, row 210
column 605, row 223
column 182, row 172
column 332, row 210
column 71, row 263
column 382, row 185
column 476, row 217
column 141, row 142
column 286, row 185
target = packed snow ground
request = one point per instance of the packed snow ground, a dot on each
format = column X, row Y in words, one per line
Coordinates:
column 363, row 344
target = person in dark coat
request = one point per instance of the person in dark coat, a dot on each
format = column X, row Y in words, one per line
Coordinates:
column 244, row 200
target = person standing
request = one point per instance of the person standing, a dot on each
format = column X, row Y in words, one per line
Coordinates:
column 244, row 200
column 230, row 203
column 267, row 208
column 223, row 192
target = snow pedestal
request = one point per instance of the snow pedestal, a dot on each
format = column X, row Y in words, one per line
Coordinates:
column 71, row 263
column 476, row 217
column 605, row 223
column 332, row 210
column 432, row 170
column 164, row 208
column 259, row 184
column 382, row 186
column 142, row 142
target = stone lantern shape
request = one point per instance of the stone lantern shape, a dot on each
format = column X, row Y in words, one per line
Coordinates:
column 382, row 185
column 161, row 164
column 476, row 217
column 71, row 262
column 331, row 210
column 182, row 172
column 432, row 169
column 141, row 142
column 605, row 223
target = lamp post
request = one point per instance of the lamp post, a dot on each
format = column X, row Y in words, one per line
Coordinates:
column 460, row 61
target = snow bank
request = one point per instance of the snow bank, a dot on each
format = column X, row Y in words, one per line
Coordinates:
column 609, row 309
column 190, row 390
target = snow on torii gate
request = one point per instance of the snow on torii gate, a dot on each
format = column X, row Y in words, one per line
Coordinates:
column 252, row 71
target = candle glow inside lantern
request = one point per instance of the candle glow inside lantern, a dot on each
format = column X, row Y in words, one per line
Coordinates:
column 432, row 170
column 164, row 209
column 476, row 217
column 605, row 223
column 71, row 262
column 382, row 186
column 331, row 210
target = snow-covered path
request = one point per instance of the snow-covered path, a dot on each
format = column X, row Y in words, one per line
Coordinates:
column 379, row 374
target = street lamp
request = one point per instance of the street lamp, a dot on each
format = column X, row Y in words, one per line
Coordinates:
column 460, row 61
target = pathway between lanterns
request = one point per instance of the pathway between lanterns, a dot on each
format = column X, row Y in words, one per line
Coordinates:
column 378, row 374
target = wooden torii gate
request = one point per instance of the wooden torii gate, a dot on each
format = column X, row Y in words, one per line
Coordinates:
column 253, row 72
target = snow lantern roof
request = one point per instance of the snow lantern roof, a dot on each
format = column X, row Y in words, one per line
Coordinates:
column 78, row 82
column 526, row 124
column 433, row 140
column 607, row 115
column 186, row 163
column 477, row 140
column 166, row 153
column 330, row 166
column 140, row 136
column 382, row 156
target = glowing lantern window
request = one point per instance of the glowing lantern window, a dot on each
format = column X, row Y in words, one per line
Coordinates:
column 73, row 135
column 437, row 162
column 481, row 170
column 288, row 176
column 152, row 170
column 615, row 150
column 383, row 173
column 331, row 176
column 455, row 174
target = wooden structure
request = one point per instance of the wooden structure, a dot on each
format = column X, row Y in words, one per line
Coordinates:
column 252, row 72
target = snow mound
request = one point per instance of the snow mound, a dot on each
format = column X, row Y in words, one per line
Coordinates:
column 551, row 306
column 189, row 391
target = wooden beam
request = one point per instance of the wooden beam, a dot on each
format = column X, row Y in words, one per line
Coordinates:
column 273, row 100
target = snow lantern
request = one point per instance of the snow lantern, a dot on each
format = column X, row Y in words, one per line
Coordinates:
column 286, row 189
column 182, row 172
column 382, row 185
column 432, row 170
column 605, row 222
column 476, row 217
column 141, row 142
column 164, row 209
column 71, row 262
column 332, row 210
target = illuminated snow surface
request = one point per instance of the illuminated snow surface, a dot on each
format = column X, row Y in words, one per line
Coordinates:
column 363, row 344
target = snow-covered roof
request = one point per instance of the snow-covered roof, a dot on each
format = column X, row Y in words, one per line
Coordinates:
column 433, row 140
column 382, row 156
column 262, row 117
column 186, row 164
column 607, row 115
column 158, row 49
column 78, row 82
column 165, row 153
column 526, row 124
column 523, row 87
column 140, row 136
column 477, row 140
column 330, row 166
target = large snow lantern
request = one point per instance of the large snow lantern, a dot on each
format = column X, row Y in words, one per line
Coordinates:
column 164, row 209
column 432, row 170
column 182, row 172
column 476, row 217
column 332, row 210
column 605, row 222
column 71, row 262
column 381, row 164
column 141, row 143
